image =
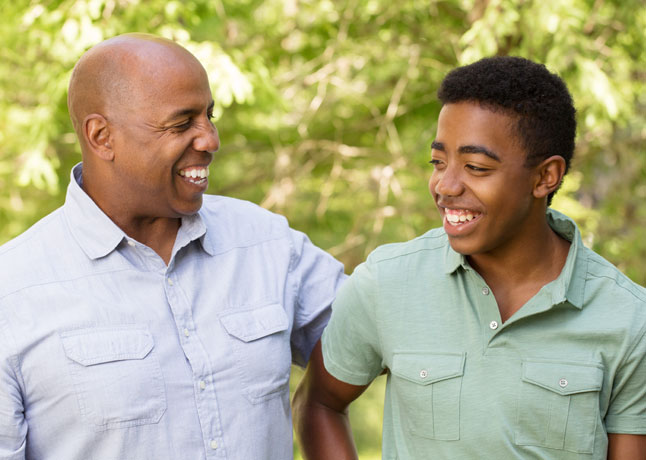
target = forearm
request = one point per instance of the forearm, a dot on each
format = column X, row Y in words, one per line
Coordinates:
column 323, row 433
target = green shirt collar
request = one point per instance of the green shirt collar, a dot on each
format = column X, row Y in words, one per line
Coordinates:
column 570, row 284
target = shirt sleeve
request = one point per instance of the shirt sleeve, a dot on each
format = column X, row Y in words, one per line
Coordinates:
column 317, row 276
column 351, row 348
column 627, row 411
column 13, row 427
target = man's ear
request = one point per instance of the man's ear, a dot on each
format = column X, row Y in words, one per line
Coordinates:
column 98, row 136
column 550, row 173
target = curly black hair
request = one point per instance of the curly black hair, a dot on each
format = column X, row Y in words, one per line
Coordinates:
column 539, row 99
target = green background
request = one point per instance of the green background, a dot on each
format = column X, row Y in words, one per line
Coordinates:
column 326, row 110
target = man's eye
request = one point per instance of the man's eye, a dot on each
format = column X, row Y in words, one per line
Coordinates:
column 435, row 162
column 184, row 126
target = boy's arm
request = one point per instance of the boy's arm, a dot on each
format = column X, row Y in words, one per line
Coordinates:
column 626, row 446
column 320, row 412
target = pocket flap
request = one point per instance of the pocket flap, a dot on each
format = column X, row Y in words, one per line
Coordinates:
column 248, row 325
column 563, row 378
column 427, row 368
column 97, row 345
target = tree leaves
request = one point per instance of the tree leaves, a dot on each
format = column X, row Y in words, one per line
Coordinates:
column 326, row 109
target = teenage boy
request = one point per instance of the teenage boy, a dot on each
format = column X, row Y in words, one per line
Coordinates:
column 503, row 337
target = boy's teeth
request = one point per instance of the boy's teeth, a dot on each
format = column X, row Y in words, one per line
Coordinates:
column 458, row 217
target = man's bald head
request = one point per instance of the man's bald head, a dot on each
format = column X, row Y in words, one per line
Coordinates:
column 121, row 72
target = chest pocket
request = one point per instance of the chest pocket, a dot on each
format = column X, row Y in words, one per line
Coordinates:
column 427, row 389
column 116, row 375
column 559, row 405
column 261, row 342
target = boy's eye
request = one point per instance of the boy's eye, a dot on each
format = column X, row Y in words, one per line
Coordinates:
column 477, row 168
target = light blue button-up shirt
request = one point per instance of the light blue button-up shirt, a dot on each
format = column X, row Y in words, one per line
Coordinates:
column 106, row 353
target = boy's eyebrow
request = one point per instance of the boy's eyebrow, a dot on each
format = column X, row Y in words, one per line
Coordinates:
column 479, row 149
column 468, row 149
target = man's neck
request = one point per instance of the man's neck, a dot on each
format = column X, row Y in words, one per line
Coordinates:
column 159, row 233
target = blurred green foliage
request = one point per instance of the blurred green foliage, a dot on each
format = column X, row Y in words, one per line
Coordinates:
column 326, row 109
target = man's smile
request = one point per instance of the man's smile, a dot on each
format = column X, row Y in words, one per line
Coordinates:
column 195, row 174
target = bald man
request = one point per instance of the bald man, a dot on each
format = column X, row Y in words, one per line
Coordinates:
column 145, row 320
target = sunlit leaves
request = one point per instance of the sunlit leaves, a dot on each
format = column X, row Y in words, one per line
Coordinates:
column 326, row 109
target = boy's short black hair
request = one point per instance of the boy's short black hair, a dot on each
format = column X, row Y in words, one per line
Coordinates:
column 521, row 88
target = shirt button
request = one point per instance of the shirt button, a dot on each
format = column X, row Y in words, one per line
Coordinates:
column 170, row 281
column 202, row 384
column 493, row 325
column 423, row 373
column 485, row 290
column 186, row 333
column 132, row 243
column 213, row 444
column 562, row 383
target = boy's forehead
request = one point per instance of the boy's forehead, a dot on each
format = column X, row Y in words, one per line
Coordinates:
column 463, row 125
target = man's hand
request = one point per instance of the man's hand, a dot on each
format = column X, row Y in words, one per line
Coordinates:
column 320, row 411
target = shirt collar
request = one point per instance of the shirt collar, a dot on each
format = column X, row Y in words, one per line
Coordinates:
column 570, row 284
column 98, row 235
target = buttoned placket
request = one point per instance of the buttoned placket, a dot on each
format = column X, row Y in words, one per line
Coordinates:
column 205, row 395
column 487, row 306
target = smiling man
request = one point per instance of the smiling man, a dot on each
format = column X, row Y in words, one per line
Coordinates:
column 144, row 320
column 502, row 335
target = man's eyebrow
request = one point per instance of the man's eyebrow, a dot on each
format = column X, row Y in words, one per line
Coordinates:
column 188, row 111
column 435, row 145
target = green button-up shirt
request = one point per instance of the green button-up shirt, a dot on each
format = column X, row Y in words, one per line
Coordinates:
column 549, row 383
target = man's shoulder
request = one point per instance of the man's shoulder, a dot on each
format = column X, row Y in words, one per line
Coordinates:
column 432, row 243
column 33, row 252
column 34, row 240
column 219, row 207
column 236, row 221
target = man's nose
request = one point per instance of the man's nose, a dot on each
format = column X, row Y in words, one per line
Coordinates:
column 208, row 139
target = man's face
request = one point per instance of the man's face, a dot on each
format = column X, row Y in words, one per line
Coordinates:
column 480, row 183
column 164, row 140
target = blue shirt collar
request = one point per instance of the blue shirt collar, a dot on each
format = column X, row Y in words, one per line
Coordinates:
column 570, row 284
column 98, row 235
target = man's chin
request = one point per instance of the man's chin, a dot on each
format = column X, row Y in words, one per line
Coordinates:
column 188, row 209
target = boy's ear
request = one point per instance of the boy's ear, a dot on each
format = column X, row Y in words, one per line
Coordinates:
column 550, row 173
column 96, row 131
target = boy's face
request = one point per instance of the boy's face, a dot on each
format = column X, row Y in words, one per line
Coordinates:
column 480, row 183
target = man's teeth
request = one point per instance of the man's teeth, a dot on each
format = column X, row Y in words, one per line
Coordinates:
column 195, row 173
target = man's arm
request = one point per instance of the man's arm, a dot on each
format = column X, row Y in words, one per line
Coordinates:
column 626, row 446
column 320, row 410
column 13, row 427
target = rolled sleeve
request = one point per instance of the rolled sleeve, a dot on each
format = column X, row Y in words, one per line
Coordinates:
column 351, row 350
column 317, row 276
